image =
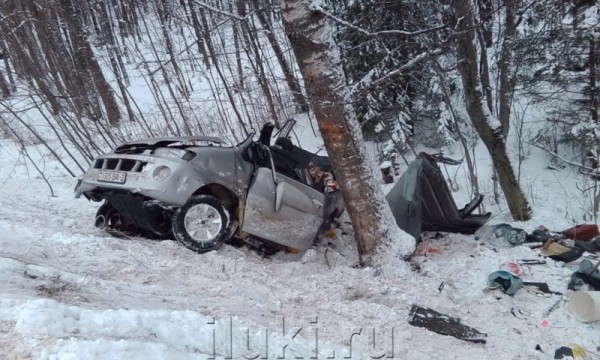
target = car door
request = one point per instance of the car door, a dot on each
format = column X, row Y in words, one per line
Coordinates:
column 294, row 222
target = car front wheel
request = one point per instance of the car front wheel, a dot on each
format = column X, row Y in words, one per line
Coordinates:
column 202, row 224
column 110, row 220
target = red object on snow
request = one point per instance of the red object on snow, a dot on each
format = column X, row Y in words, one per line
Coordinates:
column 582, row 232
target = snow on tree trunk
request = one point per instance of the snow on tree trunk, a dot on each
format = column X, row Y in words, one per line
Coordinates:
column 318, row 57
column 480, row 116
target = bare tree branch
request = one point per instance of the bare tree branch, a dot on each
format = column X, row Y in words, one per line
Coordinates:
column 366, row 32
column 222, row 12
column 565, row 160
column 367, row 83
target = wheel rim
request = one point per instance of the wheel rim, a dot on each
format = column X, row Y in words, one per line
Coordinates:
column 109, row 219
column 202, row 222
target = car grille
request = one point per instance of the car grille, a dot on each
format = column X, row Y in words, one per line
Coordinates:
column 120, row 164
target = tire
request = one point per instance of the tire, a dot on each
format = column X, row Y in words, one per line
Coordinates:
column 203, row 224
column 107, row 218
column 111, row 221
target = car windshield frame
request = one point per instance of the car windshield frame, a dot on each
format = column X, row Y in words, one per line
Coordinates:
column 246, row 142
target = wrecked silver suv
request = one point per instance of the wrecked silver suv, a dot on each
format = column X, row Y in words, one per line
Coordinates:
column 204, row 193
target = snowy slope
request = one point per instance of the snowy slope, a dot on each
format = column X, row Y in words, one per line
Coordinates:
column 69, row 291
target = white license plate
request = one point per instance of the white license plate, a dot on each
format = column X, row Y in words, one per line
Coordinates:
column 112, row 176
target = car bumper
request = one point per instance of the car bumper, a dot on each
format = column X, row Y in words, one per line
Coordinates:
column 174, row 189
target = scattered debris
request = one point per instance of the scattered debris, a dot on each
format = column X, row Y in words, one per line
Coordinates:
column 591, row 246
column 539, row 287
column 531, row 262
column 586, row 274
column 563, row 352
column 541, row 234
column 512, row 267
column 444, row 325
column 507, row 282
column 552, row 308
column 558, row 252
column 565, row 246
column 585, row 305
column 513, row 235
column 309, row 256
column 571, row 351
column 517, row 313
column 582, row 232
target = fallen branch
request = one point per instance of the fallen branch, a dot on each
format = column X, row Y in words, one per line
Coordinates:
column 565, row 160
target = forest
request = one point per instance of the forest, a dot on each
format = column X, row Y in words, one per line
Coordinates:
column 80, row 77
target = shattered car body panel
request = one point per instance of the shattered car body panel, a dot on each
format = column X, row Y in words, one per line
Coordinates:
column 222, row 191
column 422, row 200
column 302, row 209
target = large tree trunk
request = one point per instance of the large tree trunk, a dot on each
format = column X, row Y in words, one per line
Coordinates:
column 4, row 51
column 504, row 67
column 593, row 80
column 4, row 89
column 80, row 43
column 482, row 120
column 199, row 33
column 318, row 57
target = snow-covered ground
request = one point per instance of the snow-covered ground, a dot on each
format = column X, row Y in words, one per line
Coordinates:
column 70, row 291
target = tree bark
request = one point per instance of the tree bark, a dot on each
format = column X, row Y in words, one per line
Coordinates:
column 486, row 13
column 288, row 74
column 4, row 89
column 82, row 45
column 492, row 138
column 217, row 67
column 11, row 80
column 250, row 34
column 318, row 58
column 593, row 80
column 199, row 33
column 506, row 85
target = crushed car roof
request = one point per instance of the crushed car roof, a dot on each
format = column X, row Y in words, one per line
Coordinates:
column 154, row 141
column 165, row 141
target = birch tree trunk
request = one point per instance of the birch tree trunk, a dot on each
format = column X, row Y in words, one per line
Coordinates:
column 318, row 57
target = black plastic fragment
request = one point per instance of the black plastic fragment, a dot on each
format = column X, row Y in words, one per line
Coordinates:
column 543, row 287
column 563, row 352
column 444, row 325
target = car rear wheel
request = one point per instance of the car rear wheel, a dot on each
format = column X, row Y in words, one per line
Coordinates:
column 202, row 224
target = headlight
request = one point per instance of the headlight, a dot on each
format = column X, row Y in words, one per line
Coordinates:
column 178, row 153
column 161, row 173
